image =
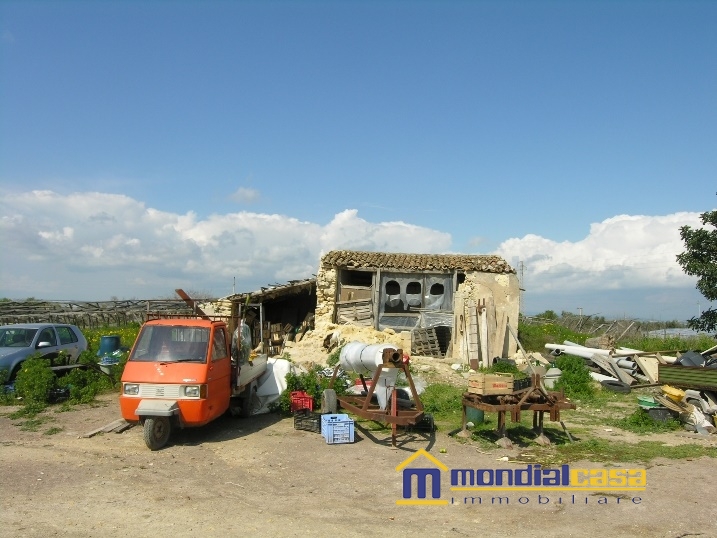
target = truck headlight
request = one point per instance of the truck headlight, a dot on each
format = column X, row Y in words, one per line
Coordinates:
column 192, row 391
column 131, row 389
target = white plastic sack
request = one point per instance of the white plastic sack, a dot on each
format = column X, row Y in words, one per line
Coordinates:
column 273, row 382
column 700, row 423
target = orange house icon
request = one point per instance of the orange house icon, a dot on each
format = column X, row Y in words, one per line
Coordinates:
column 422, row 474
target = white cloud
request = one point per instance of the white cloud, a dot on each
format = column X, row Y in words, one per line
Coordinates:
column 620, row 252
column 95, row 245
column 92, row 246
column 619, row 255
column 245, row 195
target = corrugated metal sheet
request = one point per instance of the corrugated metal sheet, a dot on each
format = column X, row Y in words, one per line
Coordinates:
column 273, row 291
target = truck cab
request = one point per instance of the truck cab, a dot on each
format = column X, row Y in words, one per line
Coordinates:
column 180, row 373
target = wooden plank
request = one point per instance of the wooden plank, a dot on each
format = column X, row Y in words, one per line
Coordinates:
column 106, row 428
column 493, row 350
column 602, row 362
column 499, row 347
column 483, row 320
column 648, row 365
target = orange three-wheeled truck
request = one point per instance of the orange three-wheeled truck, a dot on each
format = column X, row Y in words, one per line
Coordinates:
column 186, row 372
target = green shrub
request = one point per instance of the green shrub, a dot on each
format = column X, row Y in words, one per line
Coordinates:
column 35, row 381
column 575, row 378
column 127, row 334
column 86, row 383
column 7, row 395
column 310, row 382
column 505, row 368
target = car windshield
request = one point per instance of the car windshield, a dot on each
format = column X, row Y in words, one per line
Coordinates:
column 164, row 343
column 16, row 337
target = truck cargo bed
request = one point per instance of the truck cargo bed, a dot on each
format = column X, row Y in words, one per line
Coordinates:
column 250, row 371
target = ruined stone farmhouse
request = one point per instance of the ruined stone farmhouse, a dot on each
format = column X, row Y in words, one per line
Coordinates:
column 446, row 305
column 446, row 301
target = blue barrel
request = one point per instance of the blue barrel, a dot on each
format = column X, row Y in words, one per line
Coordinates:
column 474, row 415
column 108, row 345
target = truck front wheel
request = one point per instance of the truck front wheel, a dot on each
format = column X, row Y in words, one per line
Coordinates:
column 156, row 432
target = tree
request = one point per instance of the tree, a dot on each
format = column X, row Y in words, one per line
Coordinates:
column 700, row 259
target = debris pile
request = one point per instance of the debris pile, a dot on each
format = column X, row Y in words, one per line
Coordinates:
column 688, row 380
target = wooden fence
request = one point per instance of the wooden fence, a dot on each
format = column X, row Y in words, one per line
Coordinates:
column 89, row 314
column 616, row 329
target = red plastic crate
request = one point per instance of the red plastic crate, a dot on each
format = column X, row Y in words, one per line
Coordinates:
column 301, row 400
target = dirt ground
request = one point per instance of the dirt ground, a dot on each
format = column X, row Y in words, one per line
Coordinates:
column 261, row 477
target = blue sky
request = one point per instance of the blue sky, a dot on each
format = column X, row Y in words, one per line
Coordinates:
column 146, row 146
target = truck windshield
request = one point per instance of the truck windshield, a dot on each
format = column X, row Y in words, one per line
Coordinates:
column 165, row 343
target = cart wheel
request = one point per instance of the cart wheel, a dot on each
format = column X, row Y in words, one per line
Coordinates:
column 428, row 422
column 156, row 432
column 328, row 401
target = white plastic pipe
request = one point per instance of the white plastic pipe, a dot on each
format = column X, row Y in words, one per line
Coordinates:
column 366, row 359
column 579, row 351
column 626, row 363
column 601, row 377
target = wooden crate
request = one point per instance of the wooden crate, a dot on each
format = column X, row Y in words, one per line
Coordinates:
column 490, row 383
column 425, row 343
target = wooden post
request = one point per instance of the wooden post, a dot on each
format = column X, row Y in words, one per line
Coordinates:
column 484, row 335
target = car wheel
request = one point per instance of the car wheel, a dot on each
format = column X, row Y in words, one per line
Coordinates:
column 13, row 374
column 156, row 432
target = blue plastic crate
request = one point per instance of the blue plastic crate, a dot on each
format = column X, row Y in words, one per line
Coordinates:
column 337, row 429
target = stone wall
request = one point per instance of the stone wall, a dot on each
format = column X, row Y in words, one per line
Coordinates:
column 326, row 282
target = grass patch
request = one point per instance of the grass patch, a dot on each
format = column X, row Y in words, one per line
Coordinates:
column 615, row 452
column 52, row 431
column 29, row 410
column 601, row 450
column 444, row 402
column 32, row 424
column 534, row 337
column 642, row 423
column 696, row 343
